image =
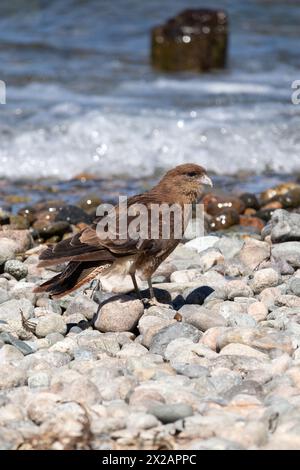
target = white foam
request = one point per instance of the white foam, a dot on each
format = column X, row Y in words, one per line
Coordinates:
column 135, row 133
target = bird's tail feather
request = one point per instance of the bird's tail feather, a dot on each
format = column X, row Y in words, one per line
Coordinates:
column 71, row 278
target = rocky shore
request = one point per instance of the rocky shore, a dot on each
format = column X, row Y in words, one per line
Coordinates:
column 215, row 366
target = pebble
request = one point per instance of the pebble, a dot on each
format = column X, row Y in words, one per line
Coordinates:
column 258, row 311
column 201, row 317
column 179, row 330
column 237, row 349
column 17, row 269
column 171, row 413
column 288, row 252
column 8, row 249
column 83, row 305
column 284, row 226
column 253, row 253
column 53, row 323
column 216, row 368
column 119, row 315
column 39, row 380
column 265, row 278
column 295, row 286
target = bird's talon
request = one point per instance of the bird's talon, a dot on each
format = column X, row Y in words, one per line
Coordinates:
column 154, row 303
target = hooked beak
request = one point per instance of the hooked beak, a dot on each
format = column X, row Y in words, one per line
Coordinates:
column 206, row 180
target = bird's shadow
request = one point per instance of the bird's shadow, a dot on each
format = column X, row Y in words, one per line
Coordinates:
column 196, row 296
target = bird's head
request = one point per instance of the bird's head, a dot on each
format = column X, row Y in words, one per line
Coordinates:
column 187, row 180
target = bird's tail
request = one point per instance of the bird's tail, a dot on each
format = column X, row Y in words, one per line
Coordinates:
column 71, row 278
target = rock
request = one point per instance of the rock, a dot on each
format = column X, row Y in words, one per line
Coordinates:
column 11, row 310
column 266, row 339
column 229, row 308
column 290, row 199
column 11, row 377
column 75, row 388
column 213, row 443
column 193, row 40
column 122, row 314
column 183, row 351
column 258, row 311
column 295, row 286
column 185, row 275
column 288, row 301
column 265, row 278
column 150, row 325
column 3, row 295
column 200, row 317
column 72, row 214
column 8, row 249
column 229, row 247
column 66, row 429
column 53, row 323
column 83, row 305
column 193, row 371
column 238, row 289
column 9, row 353
column 276, row 191
column 132, row 349
column 139, row 420
column 24, row 348
column 171, row 413
column 23, row 290
column 167, row 334
column 237, row 349
column 54, row 338
column 39, row 380
column 215, row 205
column 268, row 296
column 200, row 244
column 241, row 320
column 254, row 222
column 224, row 220
column 53, row 230
column 95, row 341
column 250, row 200
column 16, row 269
column 210, row 258
column 253, row 253
column 22, row 238
column 284, row 226
column 89, row 203
column 289, row 252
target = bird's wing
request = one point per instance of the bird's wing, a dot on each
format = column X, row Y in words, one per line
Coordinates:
column 88, row 246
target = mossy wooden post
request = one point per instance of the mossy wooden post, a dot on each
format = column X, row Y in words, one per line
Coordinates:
column 194, row 40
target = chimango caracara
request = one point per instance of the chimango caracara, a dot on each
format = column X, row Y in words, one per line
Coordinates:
column 90, row 256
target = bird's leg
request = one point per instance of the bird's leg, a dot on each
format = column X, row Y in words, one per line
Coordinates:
column 97, row 287
column 151, row 290
column 153, row 300
column 94, row 286
column 136, row 287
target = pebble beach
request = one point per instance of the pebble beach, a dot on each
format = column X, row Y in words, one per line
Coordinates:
column 214, row 366
column 94, row 104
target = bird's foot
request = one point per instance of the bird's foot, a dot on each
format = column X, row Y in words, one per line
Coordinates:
column 153, row 302
column 94, row 287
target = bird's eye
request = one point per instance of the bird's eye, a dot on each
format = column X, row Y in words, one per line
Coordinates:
column 192, row 173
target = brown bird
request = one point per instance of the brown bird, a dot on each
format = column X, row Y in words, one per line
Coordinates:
column 90, row 256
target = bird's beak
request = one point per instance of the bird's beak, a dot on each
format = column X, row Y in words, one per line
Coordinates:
column 205, row 180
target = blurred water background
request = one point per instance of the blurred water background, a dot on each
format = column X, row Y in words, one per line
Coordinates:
column 82, row 97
